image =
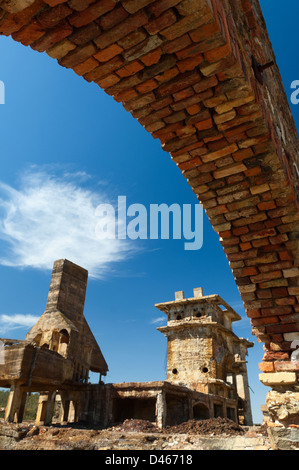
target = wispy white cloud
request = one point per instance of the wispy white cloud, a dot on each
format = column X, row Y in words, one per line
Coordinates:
column 158, row 320
column 51, row 217
column 13, row 322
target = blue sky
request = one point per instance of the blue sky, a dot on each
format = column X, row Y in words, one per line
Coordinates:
column 65, row 148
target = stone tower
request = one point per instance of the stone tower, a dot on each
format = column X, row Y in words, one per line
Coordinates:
column 204, row 353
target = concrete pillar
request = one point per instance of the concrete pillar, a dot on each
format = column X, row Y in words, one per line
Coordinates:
column 15, row 405
column 73, row 411
column 45, row 409
column 161, row 410
column 64, row 412
column 243, row 393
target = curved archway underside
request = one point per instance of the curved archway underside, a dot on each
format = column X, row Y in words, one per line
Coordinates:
column 201, row 76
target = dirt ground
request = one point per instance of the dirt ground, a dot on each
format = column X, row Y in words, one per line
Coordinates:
column 215, row 426
column 132, row 434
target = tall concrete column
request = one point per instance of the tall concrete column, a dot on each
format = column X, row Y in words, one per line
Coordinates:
column 243, row 393
column 45, row 409
column 15, row 405
column 161, row 409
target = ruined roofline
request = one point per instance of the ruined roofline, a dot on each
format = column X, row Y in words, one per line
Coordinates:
column 211, row 299
column 10, row 342
column 185, row 324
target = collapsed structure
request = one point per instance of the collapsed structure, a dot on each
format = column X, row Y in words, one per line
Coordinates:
column 206, row 371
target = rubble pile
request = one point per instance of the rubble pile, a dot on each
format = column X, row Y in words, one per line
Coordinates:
column 213, row 426
column 136, row 425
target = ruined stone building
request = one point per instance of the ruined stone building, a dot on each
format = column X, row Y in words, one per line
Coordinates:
column 206, row 371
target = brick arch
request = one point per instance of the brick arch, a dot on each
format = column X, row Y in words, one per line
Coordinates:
column 201, row 76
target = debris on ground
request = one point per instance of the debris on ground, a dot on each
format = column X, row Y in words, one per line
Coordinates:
column 136, row 425
column 212, row 427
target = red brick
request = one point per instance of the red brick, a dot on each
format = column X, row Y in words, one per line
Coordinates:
column 85, row 34
column 275, row 356
column 158, row 8
column 52, row 36
column 50, row 17
column 177, row 44
column 207, row 30
column 132, row 6
column 130, row 69
column 79, row 55
column 108, row 81
column 29, row 33
column 162, row 22
column 277, row 310
column 86, row 66
column 130, row 24
column 266, row 366
column 91, row 13
column 147, row 86
column 103, row 69
column 152, row 57
column 206, row 124
column 113, row 18
column 285, row 255
column 53, row 3
column 264, row 321
column 108, row 53
column 218, row 53
column 286, row 301
column 280, row 328
column 279, row 292
column 190, row 63
column 13, row 22
column 79, row 5
column 186, row 24
column 132, row 39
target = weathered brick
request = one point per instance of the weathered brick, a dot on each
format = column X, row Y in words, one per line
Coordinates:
column 130, row 69
column 176, row 44
column 85, row 34
column 157, row 8
column 29, row 33
column 79, row 5
column 108, row 53
column 77, row 56
column 266, row 366
column 52, row 36
column 61, row 49
column 156, row 25
column 103, row 69
column 91, row 13
column 130, row 24
column 87, row 66
column 53, row 3
column 113, row 18
column 132, row 6
column 143, row 48
column 132, row 39
column 186, row 24
column 14, row 22
column 50, row 17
